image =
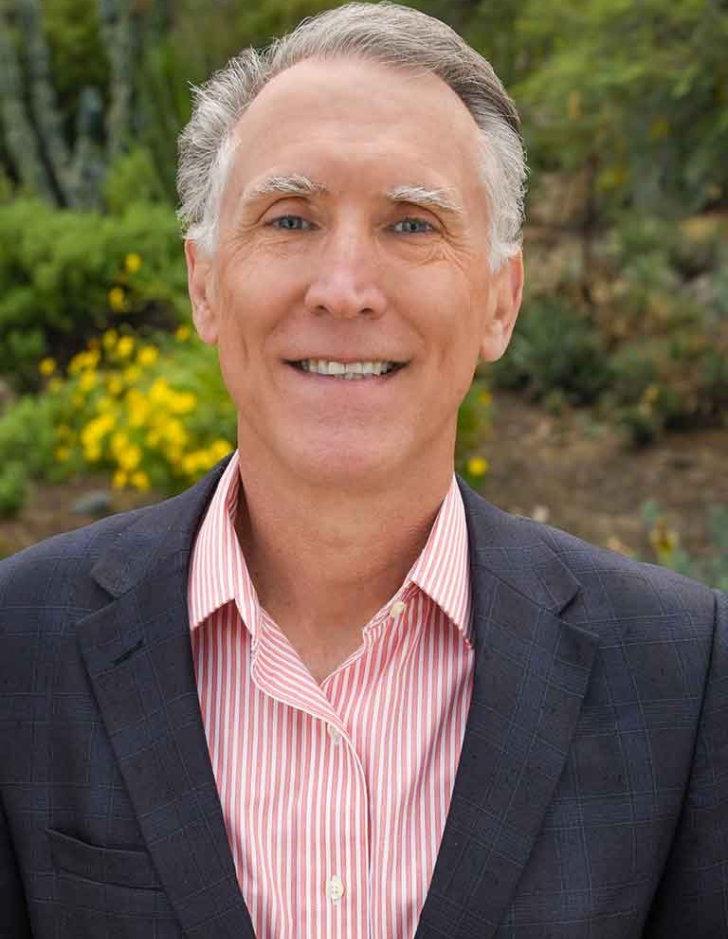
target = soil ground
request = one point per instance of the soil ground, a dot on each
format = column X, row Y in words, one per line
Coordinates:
column 563, row 469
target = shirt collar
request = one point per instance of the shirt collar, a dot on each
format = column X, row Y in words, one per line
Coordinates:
column 219, row 574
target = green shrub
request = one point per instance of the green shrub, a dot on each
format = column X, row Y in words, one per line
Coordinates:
column 474, row 422
column 65, row 276
column 13, row 487
column 28, row 433
column 554, row 349
column 132, row 178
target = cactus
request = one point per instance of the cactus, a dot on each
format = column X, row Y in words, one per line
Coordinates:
column 116, row 30
column 88, row 167
column 43, row 99
column 68, row 174
column 20, row 137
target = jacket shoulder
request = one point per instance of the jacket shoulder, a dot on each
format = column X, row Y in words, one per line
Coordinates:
column 615, row 586
column 48, row 572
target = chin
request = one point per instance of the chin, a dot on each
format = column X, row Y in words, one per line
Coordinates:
column 341, row 465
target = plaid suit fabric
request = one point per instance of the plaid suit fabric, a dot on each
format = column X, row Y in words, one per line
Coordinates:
column 589, row 800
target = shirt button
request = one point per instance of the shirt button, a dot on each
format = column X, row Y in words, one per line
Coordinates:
column 333, row 733
column 335, row 888
column 397, row 609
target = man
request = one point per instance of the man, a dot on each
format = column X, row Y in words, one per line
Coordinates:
column 330, row 691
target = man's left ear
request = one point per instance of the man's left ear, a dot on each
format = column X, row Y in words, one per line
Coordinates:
column 508, row 290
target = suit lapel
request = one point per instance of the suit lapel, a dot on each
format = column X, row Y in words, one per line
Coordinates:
column 531, row 673
column 138, row 656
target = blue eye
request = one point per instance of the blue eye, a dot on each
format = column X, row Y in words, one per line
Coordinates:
column 413, row 226
column 289, row 223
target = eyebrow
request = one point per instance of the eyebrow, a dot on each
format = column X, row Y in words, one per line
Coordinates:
column 426, row 198
column 297, row 185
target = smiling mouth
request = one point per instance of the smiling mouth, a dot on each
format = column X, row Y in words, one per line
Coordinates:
column 349, row 371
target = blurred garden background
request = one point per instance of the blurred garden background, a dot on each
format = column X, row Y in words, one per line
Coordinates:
column 608, row 415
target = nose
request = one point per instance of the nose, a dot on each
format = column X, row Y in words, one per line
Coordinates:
column 346, row 280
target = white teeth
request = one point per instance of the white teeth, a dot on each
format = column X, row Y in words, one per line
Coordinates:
column 347, row 370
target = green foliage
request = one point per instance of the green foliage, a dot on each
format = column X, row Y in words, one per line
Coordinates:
column 554, row 349
column 636, row 90
column 665, row 318
column 13, row 489
column 131, row 178
column 27, row 448
column 27, row 436
column 65, row 276
column 78, row 56
column 474, row 423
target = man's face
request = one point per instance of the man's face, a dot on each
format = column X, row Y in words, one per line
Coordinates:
column 352, row 263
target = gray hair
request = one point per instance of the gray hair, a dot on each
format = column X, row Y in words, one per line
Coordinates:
column 385, row 32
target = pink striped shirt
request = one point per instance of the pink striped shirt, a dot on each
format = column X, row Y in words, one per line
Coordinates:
column 334, row 795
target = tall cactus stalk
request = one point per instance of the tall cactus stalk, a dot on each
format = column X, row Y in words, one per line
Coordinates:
column 43, row 98
column 20, row 136
column 116, row 30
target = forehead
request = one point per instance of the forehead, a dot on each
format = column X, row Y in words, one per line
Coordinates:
column 357, row 122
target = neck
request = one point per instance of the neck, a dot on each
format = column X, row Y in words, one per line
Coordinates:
column 324, row 560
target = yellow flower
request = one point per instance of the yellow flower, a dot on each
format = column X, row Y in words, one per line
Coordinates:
column 119, row 443
column 131, row 374
column 92, row 453
column 77, row 363
column 83, row 361
column 485, row 398
column 478, row 466
column 117, row 299
column 62, row 454
column 182, row 403
column 220, row 448
column 47, row 366
column 109, row 339
column 147, row 355
column 114, row 385
column 138, row 407
column 183, row 333
column 130, row 458
column 87, row 381
column 140, row 480
column 125, row 347
column 55, row 385
column 663, row 539
column 132, row 263
column 118, row 480
column 160, row 392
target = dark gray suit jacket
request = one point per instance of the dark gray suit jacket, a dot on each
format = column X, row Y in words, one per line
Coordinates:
column 590, row 800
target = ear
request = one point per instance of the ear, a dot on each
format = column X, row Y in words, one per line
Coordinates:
column 200, row 287
column 508, row 291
